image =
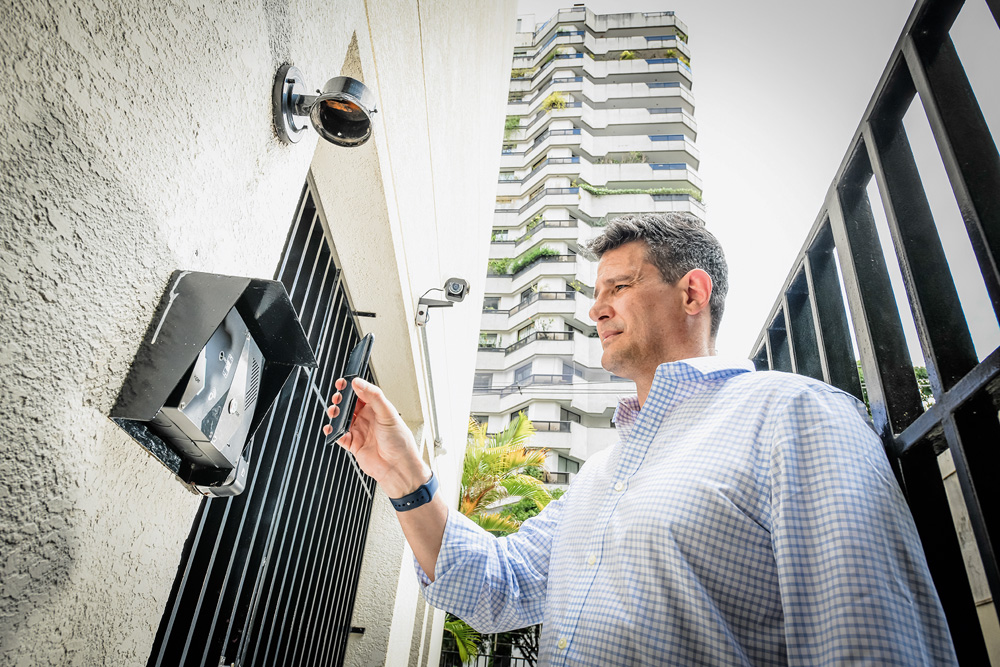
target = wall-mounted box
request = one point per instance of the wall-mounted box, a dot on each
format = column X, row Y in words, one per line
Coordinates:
column 215, row 357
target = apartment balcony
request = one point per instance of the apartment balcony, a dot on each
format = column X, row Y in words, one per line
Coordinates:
column 605, row 72
column 558, row 265
column 658, row 148
column 603, row 45
column 509, row 215
column 546, row 230
column 635, row 175
column 615, row 122
column 593, row 208
column 664, row 94
column 578, row 441
column 599, row 399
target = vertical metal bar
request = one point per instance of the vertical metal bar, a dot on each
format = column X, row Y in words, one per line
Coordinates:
column 937, row 311
column 803, row 330
column 789, row 334
column 892, row 388
column 973, row 434
column 781, row 359
column 828, row 309
column 965, row 143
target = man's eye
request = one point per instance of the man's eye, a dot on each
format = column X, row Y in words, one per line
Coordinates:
column 619, row 288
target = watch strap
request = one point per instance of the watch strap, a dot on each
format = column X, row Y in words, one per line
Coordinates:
column 421, row 496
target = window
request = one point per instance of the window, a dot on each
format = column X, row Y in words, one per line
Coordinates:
column 526, row 331
column 489, row 339
column 567, row 372
column 480, row 419
column 482, row 381
column 526, row 294
column 567, row 465
column 523, row 373
column 491, row 303
column 568, row 416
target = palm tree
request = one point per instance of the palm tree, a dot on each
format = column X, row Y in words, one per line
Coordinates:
column 497, row 467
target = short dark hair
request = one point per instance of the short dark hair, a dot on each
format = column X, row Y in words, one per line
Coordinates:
column 677, row 243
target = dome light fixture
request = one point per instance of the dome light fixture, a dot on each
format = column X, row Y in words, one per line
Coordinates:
column 341, row 112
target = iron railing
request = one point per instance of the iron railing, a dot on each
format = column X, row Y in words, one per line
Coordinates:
column 809, row 331
column 269, row 577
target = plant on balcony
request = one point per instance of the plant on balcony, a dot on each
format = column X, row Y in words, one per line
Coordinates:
column 694, row 193
column 627, row 55
column 681, row 35
column 495, row 468
column 522, row 72
column 552, row 56
column 554, row 101
column 534, row 222
column 579, row 286
column 530, row 256
column 498, row 266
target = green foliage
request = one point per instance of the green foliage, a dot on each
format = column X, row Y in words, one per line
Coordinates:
column 495, row 468
column 600, row 192
column 554, row 101
column 681, row 35
column 534, row 222
column 466, row 639
column 498, row 266
column 552, row 56
column 627, row 55
column 527, row 258
column 522, row 72
column 524, row 509
column 512, row 123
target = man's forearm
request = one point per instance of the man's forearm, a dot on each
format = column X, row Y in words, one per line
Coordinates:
column 423, row 526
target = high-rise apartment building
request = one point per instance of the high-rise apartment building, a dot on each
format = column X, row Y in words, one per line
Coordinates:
column 600, row 122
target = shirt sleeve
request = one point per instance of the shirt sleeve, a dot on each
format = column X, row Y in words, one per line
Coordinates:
column 493, row 584
column 854, row 583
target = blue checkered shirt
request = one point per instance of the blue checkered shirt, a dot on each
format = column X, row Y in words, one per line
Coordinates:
column 743, row 518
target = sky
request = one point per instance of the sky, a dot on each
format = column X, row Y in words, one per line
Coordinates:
column 780, row 87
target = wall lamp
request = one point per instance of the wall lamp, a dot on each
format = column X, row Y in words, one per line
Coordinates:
column 341, row 112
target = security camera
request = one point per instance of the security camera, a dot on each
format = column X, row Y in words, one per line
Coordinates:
column 455, row 289
column 341, row 112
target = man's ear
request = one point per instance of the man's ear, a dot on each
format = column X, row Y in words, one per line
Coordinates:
column 697, row 286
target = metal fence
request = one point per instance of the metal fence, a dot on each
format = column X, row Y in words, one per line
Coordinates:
column 269, row 577
column 809, row 331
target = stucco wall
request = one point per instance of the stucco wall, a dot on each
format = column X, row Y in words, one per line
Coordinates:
column 137, row 140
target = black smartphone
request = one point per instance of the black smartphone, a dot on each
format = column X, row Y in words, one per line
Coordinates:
column 357, row 366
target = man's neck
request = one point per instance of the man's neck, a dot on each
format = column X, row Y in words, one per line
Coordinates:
column 644, row 383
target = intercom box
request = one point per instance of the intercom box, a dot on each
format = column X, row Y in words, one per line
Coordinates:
column 215, row 357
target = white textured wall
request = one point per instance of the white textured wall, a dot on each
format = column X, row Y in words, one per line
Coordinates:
column 136, row 139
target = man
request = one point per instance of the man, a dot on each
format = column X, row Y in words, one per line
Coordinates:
column 743, row 518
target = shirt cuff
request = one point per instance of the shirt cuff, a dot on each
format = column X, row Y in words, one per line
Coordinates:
column 461, row 537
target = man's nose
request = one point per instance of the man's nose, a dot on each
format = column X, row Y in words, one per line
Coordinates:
column 599, row 310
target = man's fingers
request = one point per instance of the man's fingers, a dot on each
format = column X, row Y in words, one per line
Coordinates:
column 373, row 396
column 340, row 384
column 327, row 430
column 332, row 411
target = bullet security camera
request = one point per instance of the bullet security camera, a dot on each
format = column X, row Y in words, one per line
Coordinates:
column 341, row 112
column 455, row 289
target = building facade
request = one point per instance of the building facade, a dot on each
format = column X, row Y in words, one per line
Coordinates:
column 600, row 122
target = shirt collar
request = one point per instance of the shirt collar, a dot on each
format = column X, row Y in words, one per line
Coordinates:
column 676, row 380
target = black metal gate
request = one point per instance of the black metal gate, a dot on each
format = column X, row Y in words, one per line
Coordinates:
column 808, row 329
column 269, row 577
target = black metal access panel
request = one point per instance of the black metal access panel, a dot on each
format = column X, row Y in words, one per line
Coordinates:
column 808, row 329
column 269, row 577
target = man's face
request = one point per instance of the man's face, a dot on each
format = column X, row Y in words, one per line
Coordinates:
column 637, row 314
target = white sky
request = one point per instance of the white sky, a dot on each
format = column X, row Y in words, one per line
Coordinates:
column 780, row 87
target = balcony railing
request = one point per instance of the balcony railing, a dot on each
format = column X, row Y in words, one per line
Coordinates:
column 558, row 477
column 565, row 378
column 539, row 335
column 809, row 331
column 543, row 296
column 549, row 427
column 542, row 259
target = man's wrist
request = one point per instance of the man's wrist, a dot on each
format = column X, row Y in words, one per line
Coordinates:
column 403, row 481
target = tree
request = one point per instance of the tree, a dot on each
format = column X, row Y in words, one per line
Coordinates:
column 497, row 467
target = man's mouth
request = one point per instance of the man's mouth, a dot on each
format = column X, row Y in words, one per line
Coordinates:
column 608, row 336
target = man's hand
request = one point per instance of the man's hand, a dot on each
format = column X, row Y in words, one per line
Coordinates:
column 380, row 440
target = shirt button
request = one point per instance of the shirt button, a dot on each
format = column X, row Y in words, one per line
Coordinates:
column 562, row 643
column 619, row 487
column 592, row 559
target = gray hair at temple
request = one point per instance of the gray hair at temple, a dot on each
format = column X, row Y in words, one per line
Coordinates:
column 678, row 243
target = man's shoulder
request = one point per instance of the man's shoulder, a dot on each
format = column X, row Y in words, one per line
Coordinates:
column 779, row 385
